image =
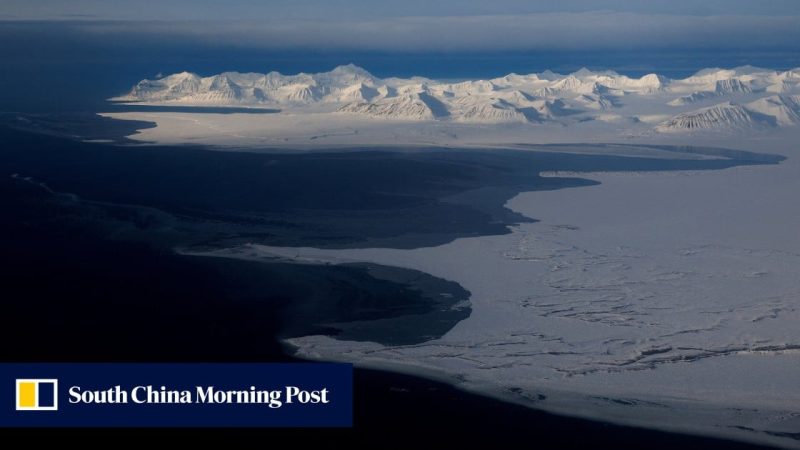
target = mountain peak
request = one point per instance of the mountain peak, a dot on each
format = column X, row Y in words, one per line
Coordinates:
column 748, row 70
column 351, row 69
column 707, row 71
column 180, row 76
column 585, row 72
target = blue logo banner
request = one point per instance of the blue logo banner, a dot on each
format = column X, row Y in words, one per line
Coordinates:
column 176, row 395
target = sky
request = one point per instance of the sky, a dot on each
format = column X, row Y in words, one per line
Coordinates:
column 420, row 25
column 369, row 9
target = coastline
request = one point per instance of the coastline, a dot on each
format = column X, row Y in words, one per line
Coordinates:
column 566, row 418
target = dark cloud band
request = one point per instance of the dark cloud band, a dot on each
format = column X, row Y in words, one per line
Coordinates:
column 552, row 31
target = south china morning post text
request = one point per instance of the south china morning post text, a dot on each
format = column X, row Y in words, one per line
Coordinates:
column 176, row 395
column 274, row 398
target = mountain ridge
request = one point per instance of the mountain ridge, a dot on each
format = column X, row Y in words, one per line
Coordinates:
column 513, row 98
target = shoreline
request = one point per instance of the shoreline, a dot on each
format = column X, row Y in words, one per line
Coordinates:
column 559, row 418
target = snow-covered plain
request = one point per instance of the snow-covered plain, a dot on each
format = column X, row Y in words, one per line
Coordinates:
column 667, row 300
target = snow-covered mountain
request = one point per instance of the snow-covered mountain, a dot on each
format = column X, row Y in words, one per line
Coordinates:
column 721, row 99
column 722, row 116
column 721, row 88
column 785, row 109
column 409, row 106
column 771, row 111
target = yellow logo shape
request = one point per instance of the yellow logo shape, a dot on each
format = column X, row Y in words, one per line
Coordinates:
column 37, row 394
